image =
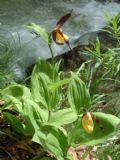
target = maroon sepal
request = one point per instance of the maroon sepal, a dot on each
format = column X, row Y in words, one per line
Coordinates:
column 63, row 19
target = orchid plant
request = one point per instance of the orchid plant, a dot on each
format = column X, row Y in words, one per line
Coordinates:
column 57, row 34
column 42, row 114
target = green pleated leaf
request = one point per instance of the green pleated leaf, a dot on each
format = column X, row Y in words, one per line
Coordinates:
column 39, row 30
column 16, row 93
column 15, row 123
column 13, row 103
column 104, row 128
column 53, row 140
column 31, row 113
column 59, row 83
column 43, row 75
column 78, row 95
column 62, row 117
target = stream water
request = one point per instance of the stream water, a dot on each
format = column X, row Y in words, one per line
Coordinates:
column 87, row 19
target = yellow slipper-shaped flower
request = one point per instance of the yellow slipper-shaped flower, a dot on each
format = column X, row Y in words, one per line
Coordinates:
column 87, row 122
column 58, row 36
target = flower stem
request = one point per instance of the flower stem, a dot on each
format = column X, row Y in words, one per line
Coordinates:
column 51, row 51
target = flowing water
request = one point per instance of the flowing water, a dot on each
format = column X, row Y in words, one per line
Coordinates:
column 87, row 19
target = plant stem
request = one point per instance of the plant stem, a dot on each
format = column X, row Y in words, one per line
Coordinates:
column 51, row 51
column 90, row 79
column 49, row 115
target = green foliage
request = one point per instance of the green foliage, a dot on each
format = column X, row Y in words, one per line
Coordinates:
column 78, row 95
column 17, row 124
column 17, row 91
column 63, row 116
column 113, row 27
column 45, row 74
column 40, row 31
column 42, row 115
column 101, row 66
column 52, row 139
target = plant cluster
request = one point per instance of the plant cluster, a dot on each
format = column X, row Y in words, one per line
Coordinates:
column 100, row 66
column 55, row 111
column 42, row 116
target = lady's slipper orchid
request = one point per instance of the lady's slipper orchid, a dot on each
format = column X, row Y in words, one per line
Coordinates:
column 87, row 122
column 58, row 36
